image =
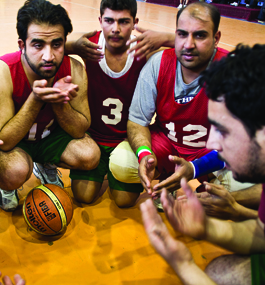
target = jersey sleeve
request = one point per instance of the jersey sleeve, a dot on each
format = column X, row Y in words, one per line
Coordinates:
column 143, row 104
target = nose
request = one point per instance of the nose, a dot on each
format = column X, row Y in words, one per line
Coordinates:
column 48, row 54
column 214, row 140
column 115, row 27
column 189, row 42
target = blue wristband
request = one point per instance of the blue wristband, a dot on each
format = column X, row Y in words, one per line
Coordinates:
column 207, row 164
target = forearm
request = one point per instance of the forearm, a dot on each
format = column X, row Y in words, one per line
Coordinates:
column 138, row 136
column 168, row 40
column 249, row 197
column 70, row 120
column 20, row 123
column 243, row 213
column 191, row 274
column 240, row 237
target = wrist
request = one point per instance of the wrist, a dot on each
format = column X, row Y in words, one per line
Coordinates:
column 143, row 151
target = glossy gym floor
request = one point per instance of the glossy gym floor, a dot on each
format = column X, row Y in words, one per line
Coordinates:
column 103, row 244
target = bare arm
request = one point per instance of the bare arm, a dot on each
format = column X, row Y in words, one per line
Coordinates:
column 150, row 42
column 10, row 123
column 189, row 218
column 173, row 251
column 79, row 43
column 74, row 116
column 140, row 136
column 219, row 203
column 249, row 197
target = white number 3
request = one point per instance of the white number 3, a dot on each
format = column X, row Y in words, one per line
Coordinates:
column 113, row 111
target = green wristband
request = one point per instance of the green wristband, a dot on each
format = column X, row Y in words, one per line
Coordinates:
column 143, row 148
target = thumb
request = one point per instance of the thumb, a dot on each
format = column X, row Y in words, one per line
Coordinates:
column 139, row 29
column 213, row 189
column 184, row 185
column 67, row 79
column 90, row 34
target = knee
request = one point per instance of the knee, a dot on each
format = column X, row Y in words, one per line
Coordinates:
column 84, row 192
column 124, row 199
column 15, row 175
column 88, row 158
column 123, row 164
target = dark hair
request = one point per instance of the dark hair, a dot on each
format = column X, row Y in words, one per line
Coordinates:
column 239, row 79
column 119, row 5
column 40, row 12
column 213, row 11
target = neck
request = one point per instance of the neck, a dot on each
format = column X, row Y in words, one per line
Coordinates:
column 116, row 60
column 189, row 75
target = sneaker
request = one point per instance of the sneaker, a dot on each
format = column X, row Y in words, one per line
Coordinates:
column 8, row 200
column 234, row 4
column 48, row 174
column 180, row 6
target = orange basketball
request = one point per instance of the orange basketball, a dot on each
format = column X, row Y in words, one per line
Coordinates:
column 48, row 209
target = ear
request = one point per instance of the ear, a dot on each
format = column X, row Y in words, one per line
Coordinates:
column 21, row 45
column 136, row 21
column 217, row 37
column 100, row 21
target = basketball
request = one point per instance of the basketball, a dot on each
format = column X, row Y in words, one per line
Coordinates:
column 48, row 209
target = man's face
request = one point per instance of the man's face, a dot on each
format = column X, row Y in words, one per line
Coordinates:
column 44, row 49
column 243, row 155
column 195, row 41
column 117, row 27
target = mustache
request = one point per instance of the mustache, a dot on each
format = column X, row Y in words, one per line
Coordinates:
column 187, row 52
column 116, row 37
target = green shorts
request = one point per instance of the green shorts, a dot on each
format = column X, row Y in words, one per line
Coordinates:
column 99, row 173
column 49, row 149
column 258, row 269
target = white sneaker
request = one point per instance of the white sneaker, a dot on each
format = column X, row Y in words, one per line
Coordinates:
column 8, row 200
column 48, row 174
column 179, row 6
column 234, row 4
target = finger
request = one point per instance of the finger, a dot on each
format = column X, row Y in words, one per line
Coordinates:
column 217, row 190
column 186, row 188
column 1, row 142
column 182, row 198
column 19, row 280
column 7, row 280
column 67, row 79
column 40, row 83
column 167, row 183
column 139, row 29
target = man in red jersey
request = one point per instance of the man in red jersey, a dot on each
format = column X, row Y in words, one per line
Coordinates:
column 44, row 107
column 168, row 87
column 236, row 91
column 112, row 81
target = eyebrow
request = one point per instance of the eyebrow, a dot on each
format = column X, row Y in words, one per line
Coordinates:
column 196, row 32
column 217, row 125
column 36, row 40
column 120, row 19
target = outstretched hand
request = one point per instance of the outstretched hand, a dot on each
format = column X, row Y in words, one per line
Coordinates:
column 62, row 91
column 146, row 172
column 173, row 251
column 183, row 168
column 149, row 41
column 187, row 217
column 218, row 202
column 17, row 278
column 87, row 49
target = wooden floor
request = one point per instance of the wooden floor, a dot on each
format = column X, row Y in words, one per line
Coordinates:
column 103, row 244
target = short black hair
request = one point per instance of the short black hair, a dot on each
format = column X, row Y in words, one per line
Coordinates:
column 119, row 5
column 40, row 12
column 213, row 11
column 239, row 79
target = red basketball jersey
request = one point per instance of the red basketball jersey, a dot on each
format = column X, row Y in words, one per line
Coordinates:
column 186, row 125
column 109, row 100
column 45, row 121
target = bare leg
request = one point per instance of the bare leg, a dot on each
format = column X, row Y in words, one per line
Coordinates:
column 85, row 191
column 230, row 270
column 15, row 168
column 124, row 199
column 83, row 154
